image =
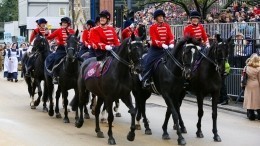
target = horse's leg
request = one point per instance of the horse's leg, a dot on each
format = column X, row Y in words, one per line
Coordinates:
column 215, row 96
column 50, row 91
column 200, row 114
column 93, row 104
column 104, row 114
column 109, row 108
column 138, row 115
column 38, row 84
column 45, row 97
column 116, row 108
column 128, row 102
column 165, row 135
column 97, row 112
column 168, row 101
column 57, row 97
column 65, row 97
column 142, row 107
column 86, row 114
column 177, row 106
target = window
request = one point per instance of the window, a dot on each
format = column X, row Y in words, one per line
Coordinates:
column 62, row 11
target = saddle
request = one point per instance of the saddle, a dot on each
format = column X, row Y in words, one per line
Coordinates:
column 97, row 69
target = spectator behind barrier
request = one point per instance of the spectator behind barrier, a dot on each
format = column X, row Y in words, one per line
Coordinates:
column 252, row 89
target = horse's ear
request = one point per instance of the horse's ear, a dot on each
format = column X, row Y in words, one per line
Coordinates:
column 132, row 36
column 218, row 38
column 77, row 33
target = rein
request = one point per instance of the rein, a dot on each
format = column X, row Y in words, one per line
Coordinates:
column 129, row 64
column 174, row 59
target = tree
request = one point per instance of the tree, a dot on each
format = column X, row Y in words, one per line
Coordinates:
column 202, row 6
column 8, row 10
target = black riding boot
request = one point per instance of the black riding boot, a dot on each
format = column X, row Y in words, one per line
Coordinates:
column 251, row 114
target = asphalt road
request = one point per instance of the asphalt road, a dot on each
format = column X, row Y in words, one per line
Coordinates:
column 22, row 126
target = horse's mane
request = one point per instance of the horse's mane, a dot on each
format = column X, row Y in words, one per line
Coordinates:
column 179, row 45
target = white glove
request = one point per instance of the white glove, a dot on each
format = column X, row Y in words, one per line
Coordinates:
column 171, row 46
column 165, row 46
column 30, row 49
column 89, row 46
column 108, row 47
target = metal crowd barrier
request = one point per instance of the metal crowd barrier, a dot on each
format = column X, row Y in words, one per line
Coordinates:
column 233, row 81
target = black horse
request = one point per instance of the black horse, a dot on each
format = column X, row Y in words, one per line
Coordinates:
column 41, row 48
column 68, row 75
column 207, row 76
column 169, row 75
column 116, row 83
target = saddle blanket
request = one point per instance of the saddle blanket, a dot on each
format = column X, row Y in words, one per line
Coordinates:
column 97, row 69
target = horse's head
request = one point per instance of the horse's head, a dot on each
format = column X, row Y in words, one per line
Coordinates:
column 40, row 43
column 72, row 46
column 142, row 31
column 221, row 51
column 135, row 50
column 188, row 55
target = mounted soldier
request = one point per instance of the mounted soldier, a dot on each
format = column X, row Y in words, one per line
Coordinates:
column 161, row 38
column 61, row 35
column 103, row 37
column 40, row 30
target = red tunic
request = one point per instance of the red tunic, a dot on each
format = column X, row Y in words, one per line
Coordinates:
column 126, row 33
column 37, row 31
column 161, row 34
column 85, row 37
column 196, row 31
column 100, row 37
column 61, row 35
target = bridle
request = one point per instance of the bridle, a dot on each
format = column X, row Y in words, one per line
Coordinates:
column 131, row 63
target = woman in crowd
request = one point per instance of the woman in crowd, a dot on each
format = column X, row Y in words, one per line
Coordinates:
column 5, row 54
column 252, row 89
column 13, row 55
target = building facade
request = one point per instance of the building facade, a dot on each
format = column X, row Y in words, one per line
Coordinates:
column 31, row 10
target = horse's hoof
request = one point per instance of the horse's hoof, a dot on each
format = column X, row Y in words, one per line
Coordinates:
column 148, row 132
column 183, row 130
column 66, row 120
column 166, row 136
column 33, row 107
column 58, row 116
column 111, row 141
column 86, row 116
column 217, row 138
column 45, row 110
column 79, row 123
column 131, row 136
column 118, row 114
column 199, row 134
column 51, row 113
column 137, row 127
column 181, row 141
column 100, row 134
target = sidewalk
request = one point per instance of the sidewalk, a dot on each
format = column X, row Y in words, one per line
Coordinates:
column 232, row 106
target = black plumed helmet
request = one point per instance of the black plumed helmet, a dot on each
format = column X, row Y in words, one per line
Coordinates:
column 158, row 13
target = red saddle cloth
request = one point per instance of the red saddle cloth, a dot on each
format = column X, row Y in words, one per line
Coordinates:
column 96, row 69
